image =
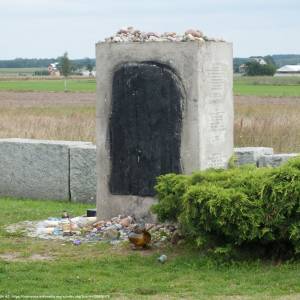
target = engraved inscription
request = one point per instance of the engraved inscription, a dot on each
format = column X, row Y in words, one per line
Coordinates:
column 216, row 121
column 216, row 83
column 216, row 160
column 217, row 129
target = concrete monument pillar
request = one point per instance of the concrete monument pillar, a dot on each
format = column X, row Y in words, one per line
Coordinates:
column 162, row 107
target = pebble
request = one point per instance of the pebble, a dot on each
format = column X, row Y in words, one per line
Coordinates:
column 176, row 237
column 162, row 259
column 86, row 230
column 111, row 234
column 125, row 222
column 130, row 34
column 76, row 242
column 194, row 33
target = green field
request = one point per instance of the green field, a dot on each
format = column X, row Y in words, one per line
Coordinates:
column 73, row 85
column 252, row 86
column 14, row 72
column 266, row 90
column 266, row 86
column 120, row 273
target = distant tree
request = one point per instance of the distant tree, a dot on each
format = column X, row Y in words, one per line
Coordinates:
column 65, row 67
column 237, row 62
column 269, row 60
column 89, row 67
column 254, row 68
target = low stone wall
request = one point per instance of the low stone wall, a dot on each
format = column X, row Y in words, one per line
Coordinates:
column 274, row 160
column 261, row 156
column 55, row 170
column 83, row 180
column 250, row 155
column 62, row 170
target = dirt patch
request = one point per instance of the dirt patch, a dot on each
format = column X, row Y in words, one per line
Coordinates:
column 29, row 99
column 9, row 257
column 17, row 257
column 40, row 257
column 58, row 98
column 254, row 100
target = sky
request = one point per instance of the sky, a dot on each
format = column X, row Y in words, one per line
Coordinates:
column 48, row 28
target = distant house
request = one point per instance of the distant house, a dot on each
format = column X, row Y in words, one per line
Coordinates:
column 242, row 68
column 288, row 70
column 86, row 73
column 258, row 59
column 53, row 70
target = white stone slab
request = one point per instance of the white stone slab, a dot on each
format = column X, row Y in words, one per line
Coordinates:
column 35, row 169
column 275, row 160
column 83, row 173
column 251, row 155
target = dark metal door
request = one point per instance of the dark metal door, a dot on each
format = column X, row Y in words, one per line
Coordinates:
column 145, row 127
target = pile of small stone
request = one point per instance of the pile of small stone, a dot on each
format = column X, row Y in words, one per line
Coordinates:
column 84, row 229
column 130, row 34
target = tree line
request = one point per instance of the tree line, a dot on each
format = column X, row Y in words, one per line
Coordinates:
column 44, row 62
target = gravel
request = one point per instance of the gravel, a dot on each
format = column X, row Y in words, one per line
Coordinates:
column 84, row 229
column 130, row 34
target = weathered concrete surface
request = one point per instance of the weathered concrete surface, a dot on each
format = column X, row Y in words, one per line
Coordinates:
column 275, row 160
column 35, row 169
column 250, row 155
column 83, row 173
column 205, row 71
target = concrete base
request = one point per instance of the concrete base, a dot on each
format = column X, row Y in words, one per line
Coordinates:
column 137, row 207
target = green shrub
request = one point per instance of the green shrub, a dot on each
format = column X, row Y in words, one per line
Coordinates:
column 171, row 188
column 257, row 207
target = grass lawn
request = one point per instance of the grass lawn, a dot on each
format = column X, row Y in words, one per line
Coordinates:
column 267, row 86
column 252, row 86
column 74, row 85
column 19, row 71
column 120, row 273
column 266, row 90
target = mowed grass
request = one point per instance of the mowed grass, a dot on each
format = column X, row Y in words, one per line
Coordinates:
column 253, row 86
column 8, row 72
column 267, row 90
column 267, row 86
column 120, row 273
column 73, row 85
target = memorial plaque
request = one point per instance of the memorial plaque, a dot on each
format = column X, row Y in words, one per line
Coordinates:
column 216, row 83
column 145, row 127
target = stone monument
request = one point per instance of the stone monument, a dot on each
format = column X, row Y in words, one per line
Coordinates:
column 164, row 105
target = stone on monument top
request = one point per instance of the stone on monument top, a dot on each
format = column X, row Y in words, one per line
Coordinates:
column 130, row 34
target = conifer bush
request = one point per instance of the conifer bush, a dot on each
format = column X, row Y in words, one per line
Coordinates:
column 237, row 207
